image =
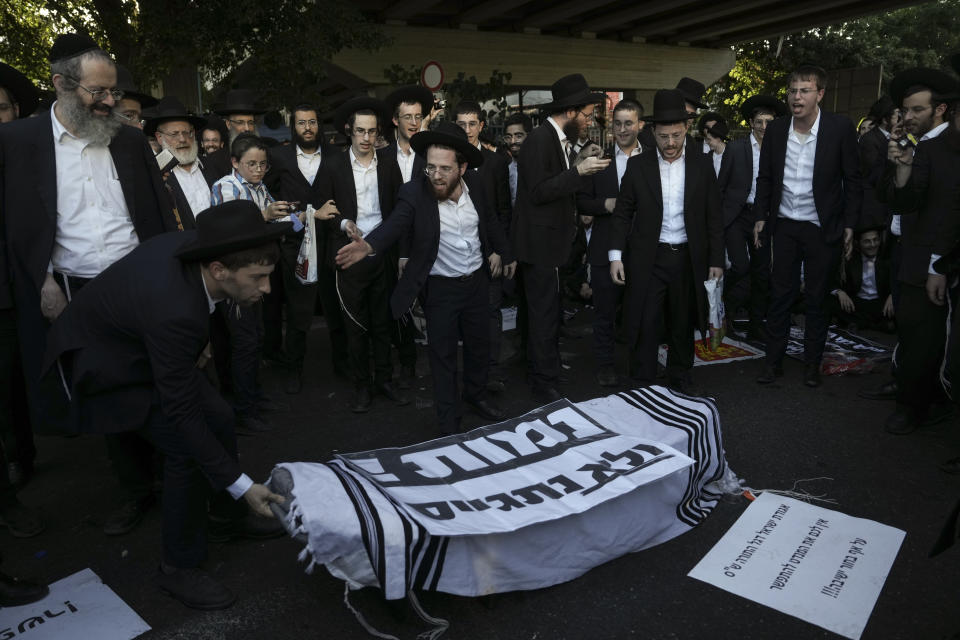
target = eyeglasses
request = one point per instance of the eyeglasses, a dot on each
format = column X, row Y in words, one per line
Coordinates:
column 802, row 92
column 411, row 117
column 303, row 123
column 188, row 133
column 99, row 94
column 5, row 106
column 587, row 116
column 519, row 137
column 253, row 165
column 241, row 123
column 443, row 172
column 363, row 133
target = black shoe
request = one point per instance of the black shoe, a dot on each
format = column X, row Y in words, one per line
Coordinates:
column 16, row 593
column 886, row 391
column 361, row 400
column 902, row 421
column 951, row 466
column 250, row 527
column 684, row 384
column 811, row 375
column 294, row 383
column 251, row 425
column 496, row 386
column 20, row 520
column 769, row 374
column 486, row 409
column 387, row 390
column 569, row 332
column 128, row 516
column 545, row 394
column 268, row 405
column 408, row 377
column 194, row 588
column 937, row 413
column 607, row 377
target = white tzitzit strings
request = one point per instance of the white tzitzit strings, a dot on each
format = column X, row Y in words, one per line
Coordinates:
column 796, row 491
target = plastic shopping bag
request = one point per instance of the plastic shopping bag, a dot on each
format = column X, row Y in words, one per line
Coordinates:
column 306, row 270
column 717, row 314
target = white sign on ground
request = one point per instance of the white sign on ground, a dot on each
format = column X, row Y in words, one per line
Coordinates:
column 819, row 565
column 79, row 606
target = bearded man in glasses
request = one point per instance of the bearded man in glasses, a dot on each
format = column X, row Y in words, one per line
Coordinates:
column 79, row 191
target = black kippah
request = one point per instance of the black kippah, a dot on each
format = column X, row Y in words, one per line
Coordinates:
column 71, row 44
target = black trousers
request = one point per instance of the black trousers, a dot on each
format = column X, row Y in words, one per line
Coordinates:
column 187, row 495
column 237, row 341
column 607, row 296
column 496, row 325
column 403, row 334
column 364, row 299
column 16, row 436
column 796, row 243
column 867, row 314
column 669, row 303
column 457, row 309
column 922, row 332
column 542, row 291
column 747, row 281
column 896, row 258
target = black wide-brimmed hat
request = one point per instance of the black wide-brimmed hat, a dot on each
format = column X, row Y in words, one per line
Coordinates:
column 170, row 108
column 719, row 128
column 692, row 91
column 360, row 103
column 449, row 135
column 229, row 227
column 669, row 105
column 939, row 82
column 570, row 91
column 881, row 108
column 21, row 90
column 239, row 101
column 126, row 84
column 69, row 45
column 762, row 102
column 410, row 93
column 706, row 117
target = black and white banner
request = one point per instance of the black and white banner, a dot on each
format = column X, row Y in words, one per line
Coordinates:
column 552, row 462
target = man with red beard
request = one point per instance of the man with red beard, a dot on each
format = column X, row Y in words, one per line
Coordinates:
column 455, row 246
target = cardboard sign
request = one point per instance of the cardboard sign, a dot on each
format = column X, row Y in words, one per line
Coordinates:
column 79, row 606
column 813, row 563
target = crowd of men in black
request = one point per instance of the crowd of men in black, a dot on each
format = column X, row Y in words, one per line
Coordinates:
column 125, row 267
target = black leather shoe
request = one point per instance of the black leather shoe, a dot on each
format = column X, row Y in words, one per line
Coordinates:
column 902, row 421
column 194, row 588
column 938, row 413
column 769, row 374
column 128, row 516
column 361, row 400
column 684, row 384
column 269, row 405
column 388, row 391
column 886, row 391
column 16, row 593
column 251, row 425
column 486, row 409
column 951, row 466
column 545, row 394
column 250, row 527
column 408, row 377
column 20, row 520
column 607, row 377
column 811, row 375
column 495, row 385
column 293, row 383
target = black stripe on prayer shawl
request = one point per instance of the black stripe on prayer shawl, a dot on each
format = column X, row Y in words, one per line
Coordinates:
column 411, row 528
column 441, row 556
column 371, row 529
column 427, row 563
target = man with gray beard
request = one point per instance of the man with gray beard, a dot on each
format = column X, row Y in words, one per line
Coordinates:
column 186, row 177
column 78, row 191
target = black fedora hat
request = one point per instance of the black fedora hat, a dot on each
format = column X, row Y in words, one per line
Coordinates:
column 21, row 90
column 937, row 81
column 719, row 128
column 669, row 105
column 360, row 103
column 449, row 135
column 570, row 91
column 170, row 108
column 410, row 93
column 69, row 45
column 692, row 91
column 229, row 227
column 762, row 102
column 238, row 101
column 881, row 108
column 706, row 117
column 126, row 84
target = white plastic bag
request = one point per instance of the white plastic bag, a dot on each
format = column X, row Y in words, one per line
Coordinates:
column 717, row 313
column 306, row 270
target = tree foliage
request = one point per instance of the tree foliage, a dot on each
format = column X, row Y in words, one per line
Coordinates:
column 459, row 88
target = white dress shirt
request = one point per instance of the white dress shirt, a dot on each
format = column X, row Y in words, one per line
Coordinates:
column 309, row 163
column 672, row 180
column 459, row 251
column 405, row 160
column 563, row 141
column 512, row 169
column 868, row 287
column 755, row 149
column 797, row 203
column 194, row 186
column 94, row 228
column 621, row 159
column 369, row 216
column 717, row 159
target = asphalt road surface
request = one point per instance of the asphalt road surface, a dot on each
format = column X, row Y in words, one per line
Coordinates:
column 773, row 437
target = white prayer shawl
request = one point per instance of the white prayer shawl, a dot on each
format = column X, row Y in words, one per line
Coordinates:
column 363, row 537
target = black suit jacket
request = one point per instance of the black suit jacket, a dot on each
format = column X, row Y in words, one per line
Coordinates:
column 286, row 182
column 873, row 162
column 130, row 339
column 544, row 224
column 837, row 191
column 638, row 217
column 219, row 162
column 495, row 173
column 188, row 217
column 594, row 191
column 419, row 162
column 734, row 181
column 336, row 183
column 417, row 217
column 852, row 276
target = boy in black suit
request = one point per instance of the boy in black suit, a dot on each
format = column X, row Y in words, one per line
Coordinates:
column 861, row 296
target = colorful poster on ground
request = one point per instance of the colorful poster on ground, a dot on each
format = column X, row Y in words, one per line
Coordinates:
column 730, row 350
